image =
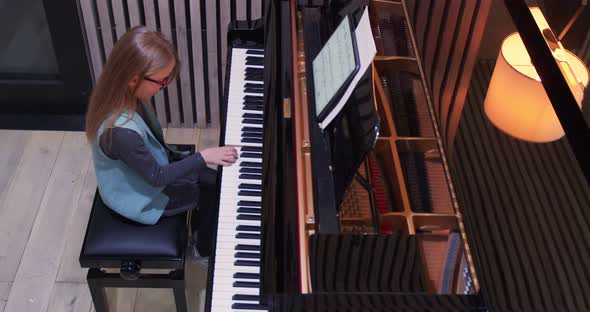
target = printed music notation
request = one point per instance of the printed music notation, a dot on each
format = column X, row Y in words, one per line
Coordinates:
column 333, row 65
column 366, row 53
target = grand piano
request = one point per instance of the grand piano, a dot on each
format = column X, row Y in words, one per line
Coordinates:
column 363, row 215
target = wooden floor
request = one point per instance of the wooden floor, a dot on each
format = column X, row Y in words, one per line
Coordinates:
column 47, row 183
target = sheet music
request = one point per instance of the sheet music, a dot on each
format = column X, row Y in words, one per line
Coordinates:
column 366, row 51
column 333, row 65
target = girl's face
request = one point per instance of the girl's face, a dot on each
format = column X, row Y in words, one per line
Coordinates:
column 152, row 83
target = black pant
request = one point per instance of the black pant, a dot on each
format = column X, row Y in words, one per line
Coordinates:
column 196, row 191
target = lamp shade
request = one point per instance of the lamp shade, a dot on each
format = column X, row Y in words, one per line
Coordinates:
column 516, row 101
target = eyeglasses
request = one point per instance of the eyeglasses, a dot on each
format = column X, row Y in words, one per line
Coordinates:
column 163, row 83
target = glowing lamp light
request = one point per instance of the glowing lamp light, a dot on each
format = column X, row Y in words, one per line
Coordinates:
column 516, row 102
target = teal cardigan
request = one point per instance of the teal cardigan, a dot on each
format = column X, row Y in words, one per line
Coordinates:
column 121, row 188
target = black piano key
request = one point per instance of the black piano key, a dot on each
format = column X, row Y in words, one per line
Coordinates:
column 247, row 255
column 253, row 64
column 248, row 186
column 254, row 58
column 257, row 52
column 254, row 97
column 250, row 193
column 249, row 210
column 252, row 71
column 252, row 103
column 251, row 164
column 248, row 247
column 251, row 90
column 251, row 129
column 254, row 85
column 240, row 297
column 246, row 276
column 254, row 149
column 256, row 61
column 248, row 228
column 251, row 170
column 252, row 135
column 248, row 217
column 251, row 155
column 248, row 235
column 249, row 203
column 252, row 115
column 248, row 306
column 250, row 121
column 247, row 284
column 252, row 140
column 247, row 176
column 247, row 263
column 254, row 78
column 255, row 108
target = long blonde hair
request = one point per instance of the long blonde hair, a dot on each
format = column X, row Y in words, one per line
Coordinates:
column 138, row 53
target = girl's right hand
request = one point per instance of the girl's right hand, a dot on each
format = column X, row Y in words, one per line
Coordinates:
column 224, row 155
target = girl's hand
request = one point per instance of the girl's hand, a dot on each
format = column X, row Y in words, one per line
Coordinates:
column 224, row 155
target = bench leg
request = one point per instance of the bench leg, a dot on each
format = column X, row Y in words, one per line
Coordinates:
column 99, row 297
column 179, row 289
column 180, row 299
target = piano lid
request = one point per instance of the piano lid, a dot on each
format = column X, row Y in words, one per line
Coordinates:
column 524, row 205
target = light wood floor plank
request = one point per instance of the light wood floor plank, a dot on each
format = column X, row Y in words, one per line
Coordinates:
column 4, row 290
column 13, row 143
column 122, row 299
column 182, row 136
column 70, row 270
column 196, row 284
column 70, row 297
column 154, row 299
column 24, row 194
column 39, row 265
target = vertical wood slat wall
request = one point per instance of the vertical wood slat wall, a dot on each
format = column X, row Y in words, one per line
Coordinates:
column 448, row 34
column 197, row 28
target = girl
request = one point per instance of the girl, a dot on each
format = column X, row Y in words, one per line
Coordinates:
column 138, row 175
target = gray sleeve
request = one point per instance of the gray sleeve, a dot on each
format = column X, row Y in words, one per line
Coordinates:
column 128, row 146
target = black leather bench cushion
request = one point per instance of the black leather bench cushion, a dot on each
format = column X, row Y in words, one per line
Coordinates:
column 110, row 235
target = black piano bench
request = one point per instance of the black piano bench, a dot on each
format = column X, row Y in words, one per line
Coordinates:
column 114, row 242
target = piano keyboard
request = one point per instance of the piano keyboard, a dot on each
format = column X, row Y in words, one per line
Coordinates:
column 236, row 275
column 245, row 99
